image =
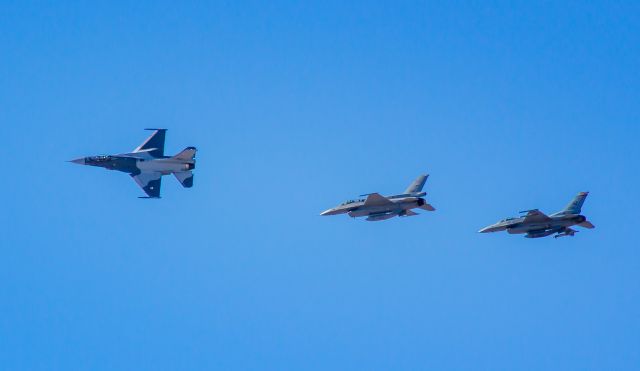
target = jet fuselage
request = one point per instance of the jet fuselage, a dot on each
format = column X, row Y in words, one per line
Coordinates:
column 146, row 164
column 135, row 163
column 399, row 206
column 377, row 207
column 518, row 226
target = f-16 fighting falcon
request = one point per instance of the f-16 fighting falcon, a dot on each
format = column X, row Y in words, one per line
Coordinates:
column 147, row 164
column 536, row 224
column 377, row 207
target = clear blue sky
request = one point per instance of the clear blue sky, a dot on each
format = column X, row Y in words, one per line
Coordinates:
column 296, row 106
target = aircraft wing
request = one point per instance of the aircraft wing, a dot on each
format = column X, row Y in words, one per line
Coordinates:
column 150, row 183
column 536, row 216
column 376, row 199
column 154, row 145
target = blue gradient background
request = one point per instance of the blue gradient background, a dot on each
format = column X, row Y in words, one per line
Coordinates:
column 296, row 106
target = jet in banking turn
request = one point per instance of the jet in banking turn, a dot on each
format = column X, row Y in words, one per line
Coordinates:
column 147, row 164
column 377, row 207
column 536, row 224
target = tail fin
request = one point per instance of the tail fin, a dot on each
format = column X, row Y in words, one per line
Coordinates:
column 185, row 178
column 417, row 184
column 154, row 145
column 575, row 206
column 187, row 154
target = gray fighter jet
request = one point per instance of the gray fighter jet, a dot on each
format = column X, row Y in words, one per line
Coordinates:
column 377, row 207
column 536, row 224
column 147, row 164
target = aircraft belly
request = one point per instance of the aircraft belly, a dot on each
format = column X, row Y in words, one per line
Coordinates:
column 372, row 210
column 337, row 212
column 380, row 210
column 380, row 217
column 529, row 228
column 564, row 223
column 162, row 166
column 409, row 205
column 356, row 213
column 518, row 230
column 125, row 165
column 359, row 212
column 525, row 228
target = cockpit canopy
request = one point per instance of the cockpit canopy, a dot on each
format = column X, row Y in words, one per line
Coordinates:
column 100, row 158
column 350, row 202
column 506, row 220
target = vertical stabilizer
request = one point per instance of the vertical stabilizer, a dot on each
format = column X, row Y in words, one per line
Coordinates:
column 188, row 154
column 417, row 184
column 575, row 206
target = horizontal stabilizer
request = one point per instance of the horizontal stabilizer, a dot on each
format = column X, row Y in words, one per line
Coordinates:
column 586, row 224
column 376, row 199
column 185, row 178
column 428, row 207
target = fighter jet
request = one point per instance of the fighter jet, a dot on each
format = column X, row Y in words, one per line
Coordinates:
column 536, row 224
column 147, row 164
column 377, row 207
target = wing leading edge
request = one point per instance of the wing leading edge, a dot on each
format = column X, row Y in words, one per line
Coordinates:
column 154, row 145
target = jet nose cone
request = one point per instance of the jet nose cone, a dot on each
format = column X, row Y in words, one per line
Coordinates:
column 328, row 212
column 79, row 161
column 485, row 230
